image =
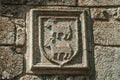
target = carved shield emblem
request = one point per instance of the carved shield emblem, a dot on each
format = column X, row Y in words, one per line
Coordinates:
column 59, row 39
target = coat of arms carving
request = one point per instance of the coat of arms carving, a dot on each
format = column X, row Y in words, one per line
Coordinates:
column 57, row 41
column 60, row 42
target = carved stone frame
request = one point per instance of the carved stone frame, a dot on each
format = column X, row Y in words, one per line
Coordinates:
column 34, row 68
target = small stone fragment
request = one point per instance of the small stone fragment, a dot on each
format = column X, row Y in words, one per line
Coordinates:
column 20, row 35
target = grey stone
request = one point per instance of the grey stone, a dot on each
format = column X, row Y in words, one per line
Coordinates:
column 20, row 31
column 98, row 2
column 11, row 64
column 19, row 21
column 41, row 2
column 69, row 78
column 116, row 64
column 19, row 50
column 81, row 78
column 53, row 77
column 20, row 35
column 57, row 40
column 52, row 2
column 107, row 63
column 105, row 13
column 99, row 14
column 7, row 31
column 31, row 77
column 16, row 11
column 107, row 33
column 13, row 1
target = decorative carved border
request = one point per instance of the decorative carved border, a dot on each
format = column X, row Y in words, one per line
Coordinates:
column 32, row 41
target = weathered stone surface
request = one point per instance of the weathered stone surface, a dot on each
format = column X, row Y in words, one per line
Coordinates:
column 19, row 21
column 57, row 40
column 107, row 33
column 13, row 1
column 20, row 35
column 99, row 14
column 7, row 31
column 53, row 77
column 105, row 13
column 40, row 2
column 12, row 32
column 64, row 2
column 11, row 64
column 30, row 77
column 51, row 2
column 107, row 63
column 98, row 2
column 20, row 31
column 116, row 64
column 80, row 78
column 13, row 11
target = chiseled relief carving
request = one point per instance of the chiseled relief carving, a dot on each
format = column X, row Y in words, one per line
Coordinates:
column 62, row 43
column 56, row 42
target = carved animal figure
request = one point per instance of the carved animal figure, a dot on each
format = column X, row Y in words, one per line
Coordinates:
column 59, row 30
column 59, row 49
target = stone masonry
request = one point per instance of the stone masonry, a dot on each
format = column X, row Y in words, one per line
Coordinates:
column 99, row 41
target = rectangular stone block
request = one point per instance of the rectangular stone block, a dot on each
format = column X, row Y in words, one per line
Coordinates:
column 105, row 13
column 107, row 33
column 57, row 41
column 98, row 2
column 7, row 31
column 107, row 62
column 11, row 63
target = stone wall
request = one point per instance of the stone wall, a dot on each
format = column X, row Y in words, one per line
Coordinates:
column 104, row 38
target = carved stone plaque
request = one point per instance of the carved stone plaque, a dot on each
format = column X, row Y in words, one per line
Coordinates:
column 56, row 41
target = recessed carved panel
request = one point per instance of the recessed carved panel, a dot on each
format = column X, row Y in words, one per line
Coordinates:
column 56, row 42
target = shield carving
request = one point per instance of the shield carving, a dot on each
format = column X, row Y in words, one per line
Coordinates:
column 59, row 39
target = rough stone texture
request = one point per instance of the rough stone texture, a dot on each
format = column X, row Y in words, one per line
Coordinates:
column 107, row 33
column 116, row 64
column 98, row 2
column 107, row 62
column 13, row 1
column 53, row 77
column 30, row 77
column 19, row 21
column 20, row 31
column 8, row 28
column 7, row 31
column 20, row 36
column 51, row 2
column 13, row 11
column 40, row 2
column 11, row 63
column 105, row 13
column 65, row 2
column 65, row 51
